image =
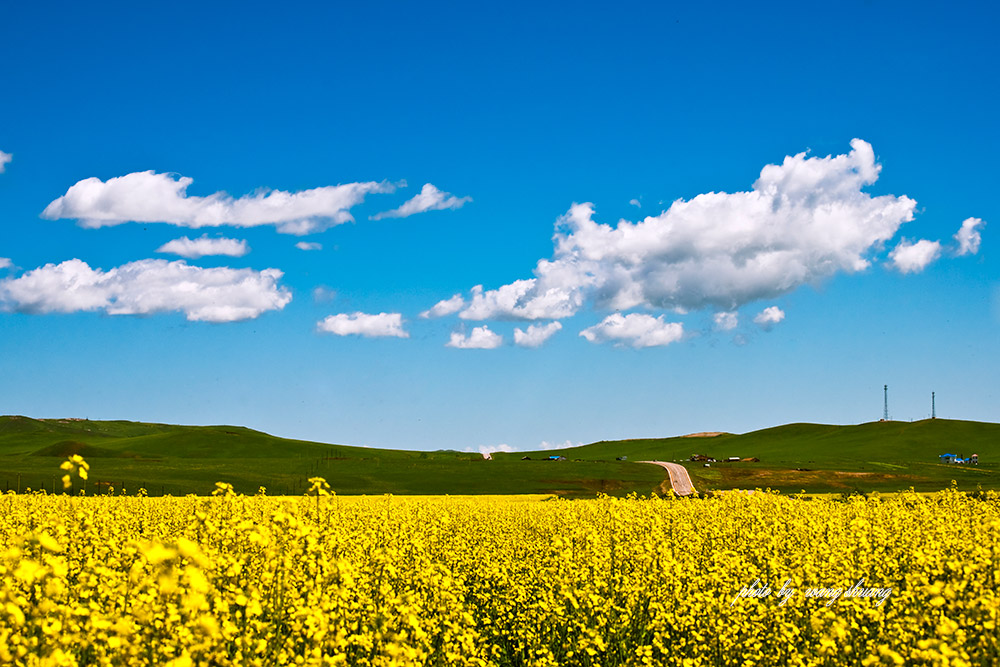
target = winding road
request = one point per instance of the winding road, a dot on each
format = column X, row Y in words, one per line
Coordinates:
column 679, row 479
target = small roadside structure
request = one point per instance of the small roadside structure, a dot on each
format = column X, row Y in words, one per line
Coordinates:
column 732, row 459
column 621, row 458
column 556, row 458
column 948, row 458
column 974, row 459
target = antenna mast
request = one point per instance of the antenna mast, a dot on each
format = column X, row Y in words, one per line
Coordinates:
column 885, row 407
column 933, row 407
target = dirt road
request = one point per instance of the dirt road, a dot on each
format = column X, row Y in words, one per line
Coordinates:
column 679, row 478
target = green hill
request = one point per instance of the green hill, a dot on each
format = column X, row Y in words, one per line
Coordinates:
column 817, row 458
column 885, row 456
column 167, row 459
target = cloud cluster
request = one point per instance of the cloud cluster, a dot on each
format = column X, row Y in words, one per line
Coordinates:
column 524, row 300
column 488, row 450
column 910, row 257
column 726, row 321
column 5, row 263
column 364, row 324
column 545, row 444
column 309, row 245
column 145, row 287
column 204, row 246
column 803, row 221
column 635, row 329
column 767, row 318
column 536, row 334
column 429, row 199
column 4, row 159
column 445, row 307
column 480, row 338
column 968, row 237
column 147, row 196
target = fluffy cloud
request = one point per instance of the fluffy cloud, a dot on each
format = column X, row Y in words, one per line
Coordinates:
column 635, row 329
column 150, row 197
column 536, row 334
column 4, row 159
column 308, row 245
column 726, row 321
column 204, row 246
column 363, row 324
column 429, row 199
column 524, row 300
column 445, row 307
column 914, row 257
column 767, row 318
column 481, row 338
column 545, row 444
column 5, row 263
column 635, row 202
column 145, row 287
column 968, row 237
column 804, row 220
column 488, row 450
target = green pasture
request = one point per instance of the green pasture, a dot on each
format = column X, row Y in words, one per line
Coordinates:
column 815, row 458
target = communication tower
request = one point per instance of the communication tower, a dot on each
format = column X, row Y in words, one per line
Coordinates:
column 885, row 404
column 933, row 407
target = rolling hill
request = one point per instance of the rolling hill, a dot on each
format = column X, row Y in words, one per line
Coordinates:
column 884, row 456
column 817, row 458
column 167, row 459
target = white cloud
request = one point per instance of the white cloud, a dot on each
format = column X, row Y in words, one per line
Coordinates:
column 914, row 257
column 767, row 318
column 481, row 338
column 558, row 445
column 804, row 220
column 635, row 329
column 635, row 202
column 204, row 246
column 5, row 263
column 445, row 307
column 308, row 245
column 488, row 450
column 536, row 334
column 150, row 197
column 726, row 321
column 968, row 236
column 523, row 300
column 145, row 287
column 363, row 324
column 4, row 159
column 429, row 199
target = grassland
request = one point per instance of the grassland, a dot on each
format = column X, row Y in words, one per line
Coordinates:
column 819, row 458
column 169, row 459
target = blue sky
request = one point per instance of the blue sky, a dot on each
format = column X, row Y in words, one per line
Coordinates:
column 598, row 181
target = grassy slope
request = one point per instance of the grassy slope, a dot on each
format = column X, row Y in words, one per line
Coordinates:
column 873, row 456
column 182, row 459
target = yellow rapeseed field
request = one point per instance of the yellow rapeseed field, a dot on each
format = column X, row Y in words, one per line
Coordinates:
column 329, row 580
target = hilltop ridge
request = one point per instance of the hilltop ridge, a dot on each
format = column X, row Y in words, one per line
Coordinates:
column 176, row 459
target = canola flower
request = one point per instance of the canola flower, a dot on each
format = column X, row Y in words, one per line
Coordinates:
column 74, row 464
column 257, row 580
